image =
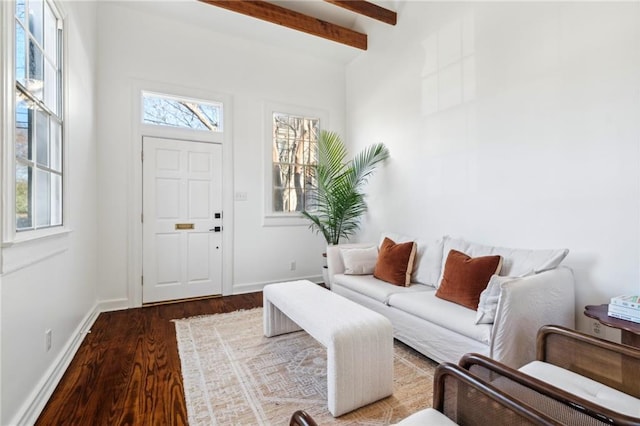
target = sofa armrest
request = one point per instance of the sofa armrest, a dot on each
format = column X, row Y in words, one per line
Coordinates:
column 335, row 264
column 524, row 306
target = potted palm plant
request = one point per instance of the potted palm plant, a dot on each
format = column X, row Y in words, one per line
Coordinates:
column 338, row 201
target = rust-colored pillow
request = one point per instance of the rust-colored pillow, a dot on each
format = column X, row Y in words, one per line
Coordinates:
column 395, row 262
column 465, row 278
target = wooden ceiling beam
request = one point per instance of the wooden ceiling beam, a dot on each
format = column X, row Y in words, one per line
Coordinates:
column 287, row 18
column 369, row 9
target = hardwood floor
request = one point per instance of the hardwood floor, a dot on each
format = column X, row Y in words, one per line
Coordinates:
column 127, row 370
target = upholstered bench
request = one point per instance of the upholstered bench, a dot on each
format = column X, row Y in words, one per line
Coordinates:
column 359, row 341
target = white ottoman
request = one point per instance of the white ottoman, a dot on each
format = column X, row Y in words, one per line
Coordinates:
column 359, row 342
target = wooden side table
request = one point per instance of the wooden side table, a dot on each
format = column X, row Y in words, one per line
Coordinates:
column 630, row 330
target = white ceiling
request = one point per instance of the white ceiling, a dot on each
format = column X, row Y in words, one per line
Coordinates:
column 224, row 21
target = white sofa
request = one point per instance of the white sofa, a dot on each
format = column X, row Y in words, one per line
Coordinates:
column 532, row 291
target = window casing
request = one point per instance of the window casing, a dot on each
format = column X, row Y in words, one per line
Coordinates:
column 38, row 115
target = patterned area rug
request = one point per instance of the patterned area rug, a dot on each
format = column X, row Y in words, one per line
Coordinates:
column 233, row 375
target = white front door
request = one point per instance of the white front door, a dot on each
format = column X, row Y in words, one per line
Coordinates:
column 182, row 219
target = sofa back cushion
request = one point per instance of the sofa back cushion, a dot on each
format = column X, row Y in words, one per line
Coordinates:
column 395, row 262
column 428, row 262
column 359, row 260
column 466, row 277
column 515, row 262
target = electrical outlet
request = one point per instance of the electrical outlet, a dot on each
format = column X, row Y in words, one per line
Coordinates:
column 292, row 265
column 596, row 328
column 47, row 340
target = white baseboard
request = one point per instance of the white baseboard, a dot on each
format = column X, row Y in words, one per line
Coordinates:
column 254, row 287
column 35, row 403
column 33, row 406
column 113, row 305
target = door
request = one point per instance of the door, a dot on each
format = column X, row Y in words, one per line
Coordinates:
column 182, row 219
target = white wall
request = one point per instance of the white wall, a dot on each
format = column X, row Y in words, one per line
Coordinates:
column 50, row 284
column 514, row 124
column 146, row 47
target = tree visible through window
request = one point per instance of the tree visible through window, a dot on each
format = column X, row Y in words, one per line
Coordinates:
column 38, row 115
column 295, row 144
column 164, row 110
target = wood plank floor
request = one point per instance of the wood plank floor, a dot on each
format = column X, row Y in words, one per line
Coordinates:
column 127, row 370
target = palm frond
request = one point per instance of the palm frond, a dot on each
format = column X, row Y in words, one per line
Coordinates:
column 339, row 202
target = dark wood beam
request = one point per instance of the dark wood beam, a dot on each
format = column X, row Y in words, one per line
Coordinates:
column 287, row 18
column 369, row 9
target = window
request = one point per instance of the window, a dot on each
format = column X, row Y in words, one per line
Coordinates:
column 295, row 144
column 173, row 111
column 38, row 115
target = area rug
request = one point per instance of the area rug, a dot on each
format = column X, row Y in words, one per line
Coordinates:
column 233, row 375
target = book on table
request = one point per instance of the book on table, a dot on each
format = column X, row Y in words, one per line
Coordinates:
column 623, row 310
column 624, row 317
column 627, row 301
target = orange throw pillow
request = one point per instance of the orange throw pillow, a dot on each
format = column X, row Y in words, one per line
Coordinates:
column 465, row 278
column 395, row 262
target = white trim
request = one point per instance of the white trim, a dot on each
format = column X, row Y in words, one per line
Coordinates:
column 36, row 401
column 258, row 286
column 28, row 413
column 6, row 40
column 7, row 97
column 113, row 305
column 269, row 217
column 134, row 191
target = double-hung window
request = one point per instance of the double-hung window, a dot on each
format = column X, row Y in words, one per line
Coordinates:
column 294, row 147
column 38, row 143
column 291, row 149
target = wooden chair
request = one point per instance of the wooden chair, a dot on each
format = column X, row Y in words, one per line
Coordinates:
column 577, row 379
column 613, row 364
column 563, row 407
column 464, row 399
column 302, row 418
column 468, row 400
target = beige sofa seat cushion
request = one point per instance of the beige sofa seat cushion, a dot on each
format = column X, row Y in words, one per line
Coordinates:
column 374, row 288
column 584, row 387
column 427, row 417
column 446, row 314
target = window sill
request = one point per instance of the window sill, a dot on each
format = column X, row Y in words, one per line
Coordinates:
column 33, row 247
column 285, row 220
column 29, row 236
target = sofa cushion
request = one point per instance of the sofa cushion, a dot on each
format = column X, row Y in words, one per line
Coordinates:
column 374, row 288
column 428, row 262
column 465, row 277
column 583, row 387
column 454, row 317
column 395, row 262
column 359, row 260
column 488, row 303
column 516, row 262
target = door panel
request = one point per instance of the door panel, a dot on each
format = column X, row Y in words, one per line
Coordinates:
column 182, row 191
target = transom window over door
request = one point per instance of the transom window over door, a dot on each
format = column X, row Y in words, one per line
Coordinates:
column 38, row 115
column 295, row 143
column 179, row 112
